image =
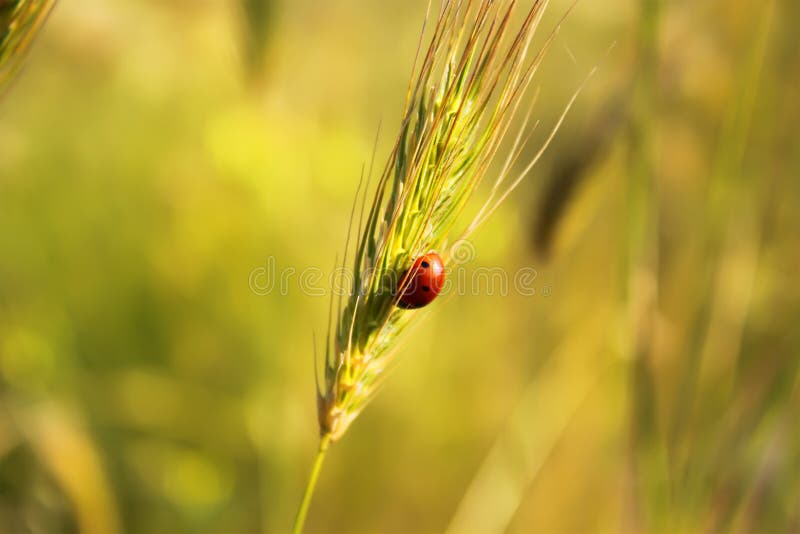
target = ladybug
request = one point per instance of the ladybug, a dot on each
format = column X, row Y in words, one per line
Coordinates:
column 422, row 282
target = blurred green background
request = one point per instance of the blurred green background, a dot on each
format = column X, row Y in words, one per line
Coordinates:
column 152, row 154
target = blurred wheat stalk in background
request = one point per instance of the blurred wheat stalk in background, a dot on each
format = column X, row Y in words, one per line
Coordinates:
column 20, row 20
column 460, row 104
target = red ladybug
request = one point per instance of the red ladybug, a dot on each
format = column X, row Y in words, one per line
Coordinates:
column 422, row 282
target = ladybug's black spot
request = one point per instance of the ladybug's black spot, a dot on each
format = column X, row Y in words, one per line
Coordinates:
column 426, row 288
column 425, row 264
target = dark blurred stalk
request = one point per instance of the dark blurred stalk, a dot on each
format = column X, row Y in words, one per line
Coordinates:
column 258, row 19
column 573, row 167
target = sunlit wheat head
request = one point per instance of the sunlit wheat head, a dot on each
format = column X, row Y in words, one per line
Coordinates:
column 465, row 89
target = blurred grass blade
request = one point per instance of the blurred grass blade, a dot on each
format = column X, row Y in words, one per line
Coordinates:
column 737, row 234
column 20, row 20
column 531, row 433
column 62, row 444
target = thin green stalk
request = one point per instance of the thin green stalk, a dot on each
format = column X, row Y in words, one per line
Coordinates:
column 300, row 520
column 641, row 282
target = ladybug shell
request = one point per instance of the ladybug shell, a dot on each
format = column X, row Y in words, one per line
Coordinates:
column 422, row 282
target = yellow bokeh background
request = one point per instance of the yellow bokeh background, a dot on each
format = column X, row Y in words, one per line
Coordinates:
column 153, row 154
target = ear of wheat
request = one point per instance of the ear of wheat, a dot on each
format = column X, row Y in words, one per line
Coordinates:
column 465, row 90
column 19, row 22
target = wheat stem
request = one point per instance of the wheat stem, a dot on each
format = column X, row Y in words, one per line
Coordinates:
column 312, row 483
